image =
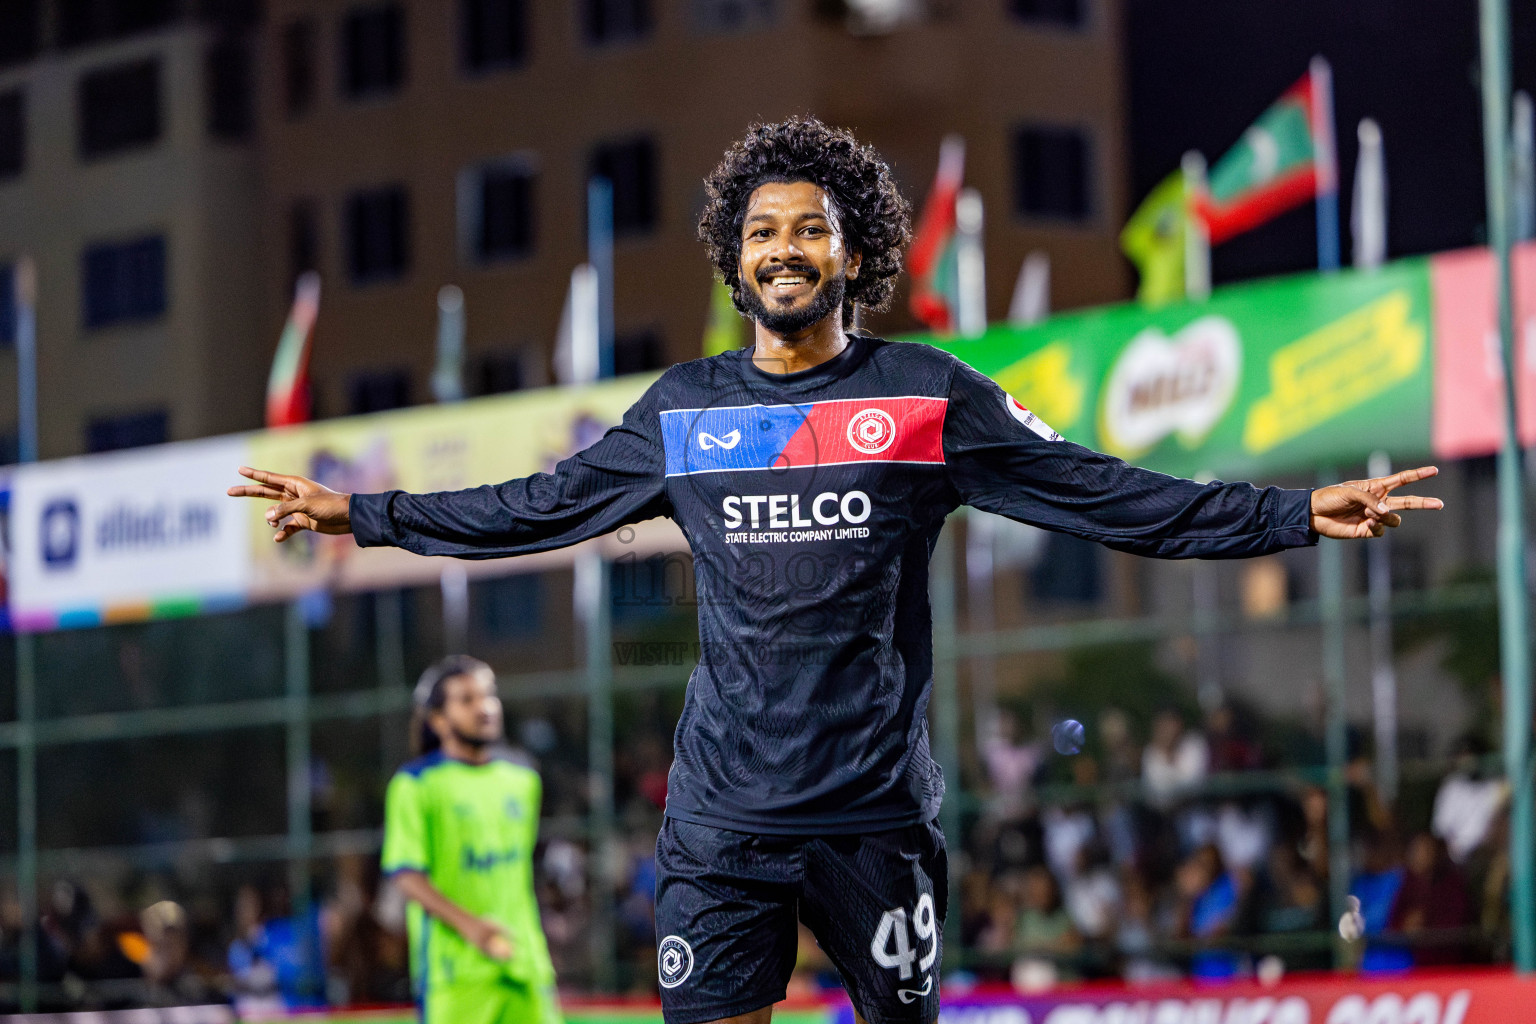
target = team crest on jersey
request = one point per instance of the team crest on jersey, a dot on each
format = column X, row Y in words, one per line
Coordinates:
column 871, row 431
column 674, row 961
column 1034, row 423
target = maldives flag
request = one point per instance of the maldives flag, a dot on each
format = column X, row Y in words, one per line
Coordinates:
column 1283, row 160
column 931, row 260
column 288, row 393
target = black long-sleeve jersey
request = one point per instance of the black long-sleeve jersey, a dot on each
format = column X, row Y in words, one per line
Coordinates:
column 812, row 502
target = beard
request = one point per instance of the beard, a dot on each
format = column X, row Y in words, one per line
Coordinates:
column 791, row 321
column 470, row 740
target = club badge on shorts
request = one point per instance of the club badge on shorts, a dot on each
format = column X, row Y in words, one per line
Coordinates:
column 674, row 961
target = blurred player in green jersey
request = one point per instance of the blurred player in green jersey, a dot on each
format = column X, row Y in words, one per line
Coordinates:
column 460, row 823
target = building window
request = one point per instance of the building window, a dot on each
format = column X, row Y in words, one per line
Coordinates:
column 134, row 430
column 378, row 390
column 19, row 24
column 82, row 22
column 631, row 168
column 229, row 90
column 496, row 210
column 638, row 352
column 615, row 21
column 7, row 304
column 1052, row 173
column 378, row 230
column 1062, row 13
column 119, row 108
column 720, row 16
column 373, row 51
column 303, row 237
column 124, row 282
column 494, row 34
column 13, row 133
column 496, row 373
column 299, row 67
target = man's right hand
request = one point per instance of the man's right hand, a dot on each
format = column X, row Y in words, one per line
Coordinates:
column 489, row 938
column 301, row 504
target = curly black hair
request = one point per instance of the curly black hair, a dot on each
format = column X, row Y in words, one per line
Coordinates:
column 875, row 219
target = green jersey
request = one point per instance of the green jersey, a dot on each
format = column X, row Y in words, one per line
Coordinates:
column 471, row 830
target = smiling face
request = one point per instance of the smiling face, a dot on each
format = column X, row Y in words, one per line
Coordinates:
column 794, row 263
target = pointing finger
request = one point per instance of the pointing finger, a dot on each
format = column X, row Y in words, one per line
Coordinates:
column 1415, row 501
column 266, row 477
column 248, row 491
column 1407, row 476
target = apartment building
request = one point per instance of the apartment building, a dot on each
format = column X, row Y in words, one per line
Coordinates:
column 408, row 144
column 128, row 174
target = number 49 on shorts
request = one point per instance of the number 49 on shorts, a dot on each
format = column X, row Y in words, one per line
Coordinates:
column 893, row 948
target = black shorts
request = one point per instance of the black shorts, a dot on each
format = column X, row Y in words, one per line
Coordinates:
column 727, row 903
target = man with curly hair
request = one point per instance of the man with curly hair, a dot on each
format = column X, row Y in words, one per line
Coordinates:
column 812, row 474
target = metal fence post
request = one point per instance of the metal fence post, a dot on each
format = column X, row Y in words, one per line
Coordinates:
column 26, row 815
column 300, row 839
column 1514, row 599
column 1330, row 594
column 945, row 712
column 593, row 602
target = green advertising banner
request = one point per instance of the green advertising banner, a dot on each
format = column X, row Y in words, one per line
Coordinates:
column 1265, row 378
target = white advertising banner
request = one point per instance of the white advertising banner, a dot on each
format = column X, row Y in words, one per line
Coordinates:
column 128, row 536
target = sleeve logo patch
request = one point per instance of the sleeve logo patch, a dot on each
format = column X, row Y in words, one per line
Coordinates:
column 871, row 431
column 1034, row 423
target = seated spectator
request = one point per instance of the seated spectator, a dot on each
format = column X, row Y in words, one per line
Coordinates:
column 1122, row 760
column 292, row 950
column 168, row 976
column 1433, row 898
column 1011, row 764
column 1136, row 933
column 994, row 927
column 1376, row 886
column 1066, row 831
column 1467, row 802
column 1044, row 933
column 1175, row 760
column 1232, row 748
column 1093, row 893
column 1212, row 901
column 253, row 977
column 1292, row 900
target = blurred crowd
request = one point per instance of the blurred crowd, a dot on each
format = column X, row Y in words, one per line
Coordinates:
column 1167, row 848
column 1174, row 856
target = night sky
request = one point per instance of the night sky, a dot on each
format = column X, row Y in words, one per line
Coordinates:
column 1200, row 71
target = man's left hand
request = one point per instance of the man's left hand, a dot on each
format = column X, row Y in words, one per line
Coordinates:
column 1357, row 509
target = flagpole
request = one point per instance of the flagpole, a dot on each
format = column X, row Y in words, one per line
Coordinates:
column 1327, row 162
column 587, row 334
column 1197, row 239
column 1032, row 291
column 970, row 265
column 600, row 258
column 1514, row 598
column 25, row 291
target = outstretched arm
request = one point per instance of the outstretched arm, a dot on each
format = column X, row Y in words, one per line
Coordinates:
column 1000, row 463
column 618, row 480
